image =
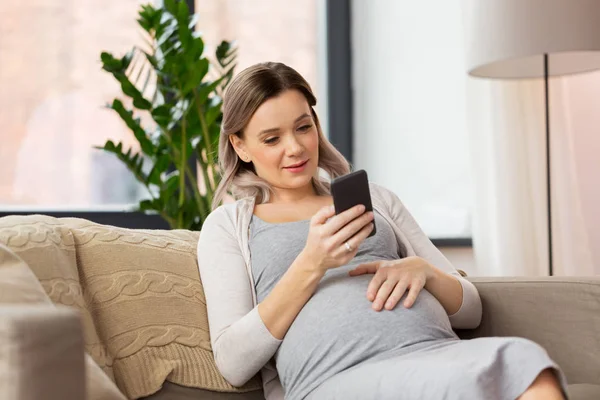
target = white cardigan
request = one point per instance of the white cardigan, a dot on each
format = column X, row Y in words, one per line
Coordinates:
column 241, row 343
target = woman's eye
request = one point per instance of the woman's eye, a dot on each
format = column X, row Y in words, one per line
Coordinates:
column 304, row 128
column 271, row 140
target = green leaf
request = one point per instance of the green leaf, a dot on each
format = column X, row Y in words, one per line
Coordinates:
column 126, row 60
column 109, row 62
column 162, row 115
column 128, row 88
column 152, row 60
column 213, row 113
column 227, row 76
column 197, row 48
column 183, row 14
column 197, row 72
column 171, row 207
column 171, row 6
column 160, row 167
column 224, row 52
column 205, row 90
column 145, row 24
column 158, row 139
column 134, row 125
column 131, row 162
column 147, row 205
column 170, row 185
column 142, row 103
column 149, row 17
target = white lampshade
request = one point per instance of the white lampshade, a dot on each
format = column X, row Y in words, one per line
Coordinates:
column 508, row 38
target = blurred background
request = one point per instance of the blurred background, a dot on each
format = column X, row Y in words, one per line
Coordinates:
column 465, row 155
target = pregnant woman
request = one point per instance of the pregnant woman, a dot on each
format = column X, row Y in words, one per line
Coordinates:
column 308, row 299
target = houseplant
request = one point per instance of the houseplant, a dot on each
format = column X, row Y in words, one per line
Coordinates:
column 172, row 105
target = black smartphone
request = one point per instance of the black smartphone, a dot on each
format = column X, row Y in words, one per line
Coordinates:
column 350, row 190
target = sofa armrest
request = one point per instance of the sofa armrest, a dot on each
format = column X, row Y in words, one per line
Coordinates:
column 560, row 314
column 41, row 353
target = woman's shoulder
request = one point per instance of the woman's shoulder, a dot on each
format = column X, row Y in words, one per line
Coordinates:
column 382, row 193
column 226, row 215
column 386, row 199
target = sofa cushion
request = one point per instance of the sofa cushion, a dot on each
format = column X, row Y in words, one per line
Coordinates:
column 583, row 391
column 143, row 293
column 48, row 248
column 18, row 285
column 41, row 353
column 171, row 391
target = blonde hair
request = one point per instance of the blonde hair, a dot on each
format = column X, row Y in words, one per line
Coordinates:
column 245, row 94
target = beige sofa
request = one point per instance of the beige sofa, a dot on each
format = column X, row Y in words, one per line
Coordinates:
column 119, row 313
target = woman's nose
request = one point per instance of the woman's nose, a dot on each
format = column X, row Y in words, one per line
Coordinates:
column 293, row 146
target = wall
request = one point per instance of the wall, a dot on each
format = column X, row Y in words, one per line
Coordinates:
column 581, row 105
column 409, row 112
column 462, row 258
column 409, row 108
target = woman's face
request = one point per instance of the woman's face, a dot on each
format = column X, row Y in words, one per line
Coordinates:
column 282, row 142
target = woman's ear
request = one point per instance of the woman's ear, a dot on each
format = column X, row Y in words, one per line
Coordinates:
column 239, row 147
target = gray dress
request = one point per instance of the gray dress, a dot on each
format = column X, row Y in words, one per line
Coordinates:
column 338, row 347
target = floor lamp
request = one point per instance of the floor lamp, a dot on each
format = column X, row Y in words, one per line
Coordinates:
column 516, row 39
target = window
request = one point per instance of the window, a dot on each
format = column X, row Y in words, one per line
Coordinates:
column 265, row 30
column 54, row 90
column 51, row 103
column 410, row 109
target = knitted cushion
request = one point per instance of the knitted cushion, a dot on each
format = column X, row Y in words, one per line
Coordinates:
column 18, row 285
column 143, row 290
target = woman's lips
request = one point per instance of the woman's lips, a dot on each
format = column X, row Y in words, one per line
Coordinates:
column 297, row 167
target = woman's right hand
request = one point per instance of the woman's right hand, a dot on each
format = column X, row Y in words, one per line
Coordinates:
column 328, row 234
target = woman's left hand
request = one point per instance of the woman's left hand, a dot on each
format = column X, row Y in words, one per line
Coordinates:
column 393, row 278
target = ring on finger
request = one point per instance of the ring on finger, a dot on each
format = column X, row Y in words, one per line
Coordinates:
column 348, row 247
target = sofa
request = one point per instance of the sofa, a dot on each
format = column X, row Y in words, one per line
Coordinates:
column 97, row 312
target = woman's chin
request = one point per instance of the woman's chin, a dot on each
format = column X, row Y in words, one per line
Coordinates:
column 296, row 182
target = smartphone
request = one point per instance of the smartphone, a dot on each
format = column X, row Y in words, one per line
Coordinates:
column 350, row 190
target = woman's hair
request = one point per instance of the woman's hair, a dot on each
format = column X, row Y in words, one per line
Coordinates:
column 245, row 94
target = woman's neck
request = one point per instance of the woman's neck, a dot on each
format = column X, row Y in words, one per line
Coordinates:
column 287, row 196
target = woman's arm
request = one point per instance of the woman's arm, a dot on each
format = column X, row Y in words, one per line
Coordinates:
column 241, row 342
column 281, row 307
column 446, row 289
column 443, row 285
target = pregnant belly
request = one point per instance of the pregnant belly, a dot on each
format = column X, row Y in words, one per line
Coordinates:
column 337, row 329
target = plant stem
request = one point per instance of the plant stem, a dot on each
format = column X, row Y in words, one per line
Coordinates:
column 208, row 145
column 204, row 168
column 199, row 199
column 182, row 170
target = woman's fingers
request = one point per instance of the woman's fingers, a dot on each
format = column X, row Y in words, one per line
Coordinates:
column 352, row 228
column 415, row 288
column 383, row 293
column 325, row 246
column 341, row 220
column 397, row 294
column 367, row 268
column 356, row 240
column 323, row 215
column 375, row 284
